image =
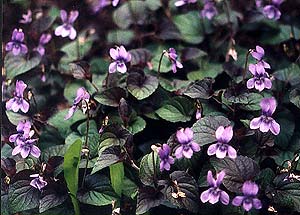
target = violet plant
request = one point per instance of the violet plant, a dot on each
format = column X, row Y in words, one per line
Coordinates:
column 148, row 139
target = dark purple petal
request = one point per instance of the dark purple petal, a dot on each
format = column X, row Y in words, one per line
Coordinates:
column 256, row 203
column 237, row 201
column 210, row 179
column 224, row 198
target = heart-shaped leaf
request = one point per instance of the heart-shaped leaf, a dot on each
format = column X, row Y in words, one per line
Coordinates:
column 149, row 166
column 200, row 89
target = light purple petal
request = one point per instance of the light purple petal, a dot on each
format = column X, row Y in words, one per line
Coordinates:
column 178, row 152
column 179, row 3
column 9, row 104
column 227, row 134
column 35, row 151
column 113, row 53
column 70, row 112
column 189, row 133
column 252, row 69
column 205, row 196
column 24, row 106
column 25, row 152
column 73, row 16
column 247, row 205
column 250, row 83
column 121, row 67
column 187, row 153
column 15, row 107
column 219, row 133
column 231, row 152
column 275, row 127
column 16, row 150
column 268, row 105
column 181, row 136
column 268, row 83
column 264, row 126
column 221, row 153
column 9, row 46
column 63, row 15
column 250, row 188
column 73, row 33
column 212, row 149
column 214, row 198
column 220, row 177
column 259, row 85
column 255, row 122
column 195, row 146
column 112, row 67
column 58, row 31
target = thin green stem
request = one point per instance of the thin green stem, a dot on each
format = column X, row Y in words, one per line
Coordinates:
column 94, row 85
column 230, row 108
column 246, row 64
column 159, row 64
column 85, row 146
column 154, row 168
column 131, row 160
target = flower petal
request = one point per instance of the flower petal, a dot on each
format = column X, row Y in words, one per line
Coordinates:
column 255, row 122
column 275, row 127
column 237, row 201
column 224, row 198
column 231, row 152
column 205, row 196
column 212, row 149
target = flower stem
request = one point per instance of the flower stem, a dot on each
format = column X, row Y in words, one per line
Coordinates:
column 154, row 168
column 230, row 108
column 132, row 163
column 159, row 64
column 85, row 146
column 246, row 64
column 94, row 85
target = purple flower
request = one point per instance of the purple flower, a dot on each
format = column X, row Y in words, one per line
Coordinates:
column 18, row 102
column 260, row 78
column 44, row 39
column 38, row 182
column 23, row 129
column 172, row 55
column 272, row 11
column 26, row 18
column 99, row 4
column 214, row 193
column 16, row 44
column 258, row 3
column 221, row 148
column 81, row 100
column 265, row 122
column 180, row 3
column 209, row 10
column 165, row 159
column 249, row 200
column 120, row 56
column 187, row 145
column 198, row 114
column 258, row 54
column 115, row 2
column 67, row 29
column 25, row 146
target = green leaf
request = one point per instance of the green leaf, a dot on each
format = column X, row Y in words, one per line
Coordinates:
column 148, row 197
column 136, row 124
column 111, row 97
column 140, row 85
column 64, row 126
column 71, row 171
column 22, row 196
column 237, row 171
column 77, row 48
column 14, row 118
column 200, row 89
column 205, row 129
column 93, row 136
column 148, row 170
column 190, row 27
column 177, row 109
column 295, row 97
column 207, row 70
column 97, row 191
column 286, row 193
column 51, row 200
column 290, row 74
column 286, row 121
column 120, row 36
column 117, row 176
column 4, row 203
column 106, row 158
column 172, row 84
column 130, row 189
column 183, row 182
column 247, row 101
column 17, row 65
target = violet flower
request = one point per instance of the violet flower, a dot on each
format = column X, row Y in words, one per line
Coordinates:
column 249, row 200
column 67, row 29
column 81, row 100
column 18, row 102
column 260, row 79
column 99, row 5
column 172, row 55
column 23, row 129
column 187, row 145
column 272, row 11
column 209, row 10
column 180, row 3
column 16, row 44
column 25, row 146
column 198, row 114
column 38, row 182
column 221, row 148
column 44, row 39
column 265, row 122
column 214, row 193
column 115, row 2
column 165, row 159
column 26, row 18
column 258, row 54
column 121, row 57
